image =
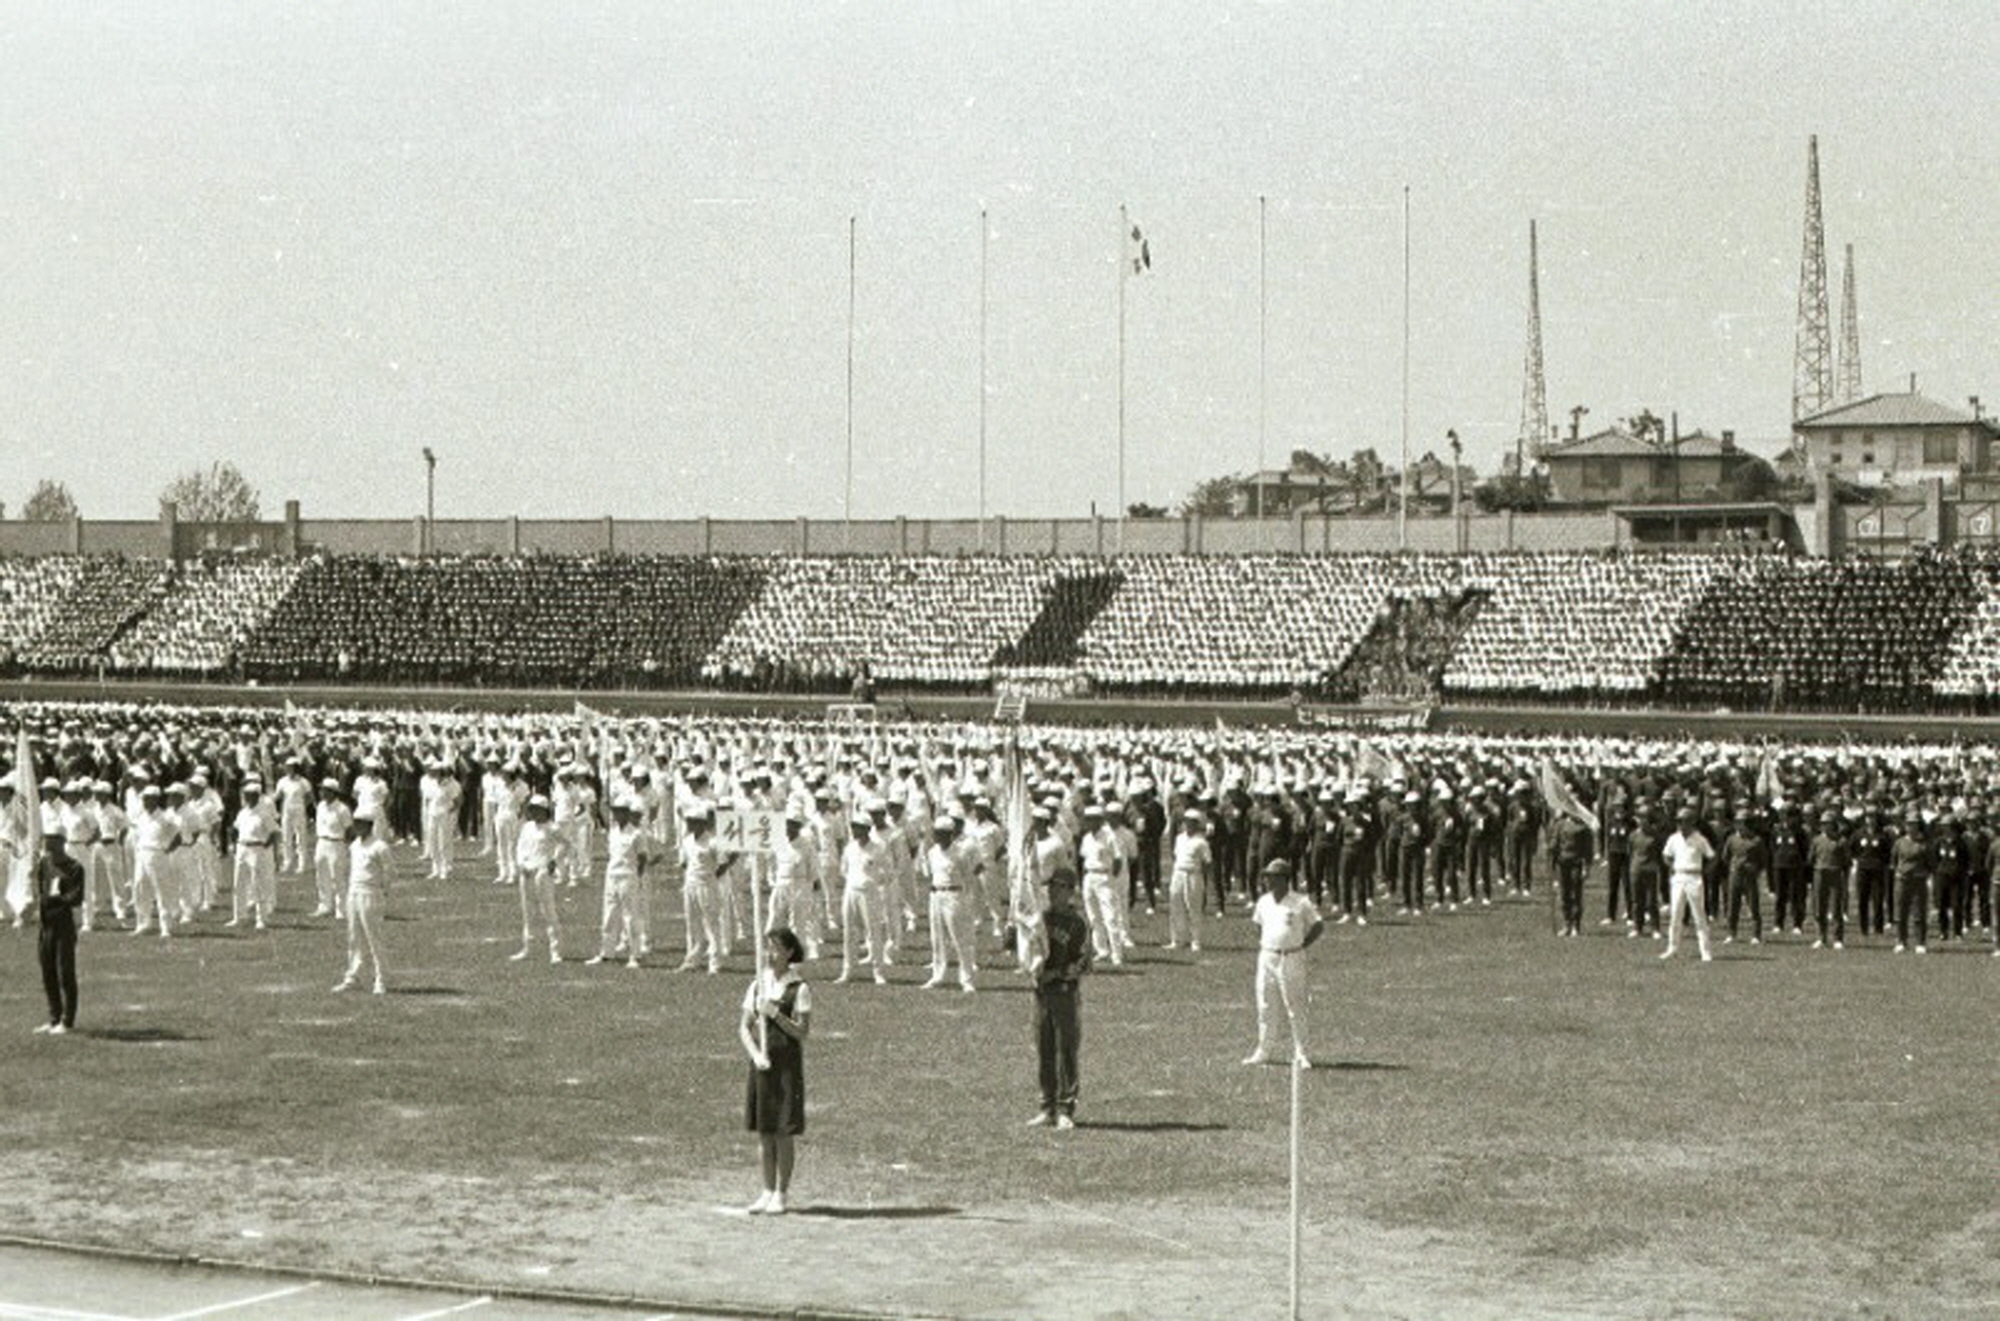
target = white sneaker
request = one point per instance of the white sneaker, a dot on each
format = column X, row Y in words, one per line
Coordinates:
column 555, row 956
column 518, row 955
column 346, row 984
column 1041, row 1120
column 593, row 961
column 1063, row 1122
column 761, row 1205
column 59, row 1029
column 1302, row 1062
column 632, row 962
column 1256, row 1057
column 380, row 989
column 776, row 1206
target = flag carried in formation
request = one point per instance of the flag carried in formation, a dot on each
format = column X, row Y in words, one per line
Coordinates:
column 1560, row 800
column 20, row 886
column 1014, row 788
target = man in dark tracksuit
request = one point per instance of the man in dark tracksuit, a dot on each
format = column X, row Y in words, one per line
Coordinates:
column 1830, row 858
column 1570, row 851
column 1648, row 870
column 1618, row 864
column 1788, row 870
column 1519, row 837
column 58, row 894
column 1745, row 856
column 1059, row 955
column 1910, row 863
column 1870, row 848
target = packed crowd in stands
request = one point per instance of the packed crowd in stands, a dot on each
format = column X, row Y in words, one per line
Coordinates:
column 926, row 621
column 107, row 597
column 1564, row 624
column 32, row 594
column 1894, row 845
column 1820, row 633
column 1686, row 628
column 208, row 611
column 541, row 620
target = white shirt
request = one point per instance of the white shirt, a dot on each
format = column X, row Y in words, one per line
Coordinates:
column 1282, row 923
column 1685, row 853
column 368, row 866
column 1192, row 853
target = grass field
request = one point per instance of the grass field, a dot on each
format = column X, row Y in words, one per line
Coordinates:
column 1511, row 1125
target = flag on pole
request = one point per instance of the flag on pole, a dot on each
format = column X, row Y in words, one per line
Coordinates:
column 1769, row 787
column 1559, row 798
column 1014, row 785
column 20, row 883
column 1370, row 763
column 1138, row 254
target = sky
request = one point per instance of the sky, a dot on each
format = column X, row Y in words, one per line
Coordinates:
column 597, row 255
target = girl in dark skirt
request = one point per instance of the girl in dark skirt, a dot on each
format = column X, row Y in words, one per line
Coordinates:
column 775, row 1107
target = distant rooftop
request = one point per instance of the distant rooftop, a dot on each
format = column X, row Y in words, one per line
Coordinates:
column 1892, row 410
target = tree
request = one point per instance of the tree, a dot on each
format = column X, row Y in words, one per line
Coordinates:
column 1214, row 498
column 1365, row 477
column 219, row 494
column 51, row 502
column 1140, row 509
column 1513, row 490
column 1645, row 426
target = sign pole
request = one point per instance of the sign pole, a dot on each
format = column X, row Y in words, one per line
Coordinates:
column 757, row 944
column 1297, row 1074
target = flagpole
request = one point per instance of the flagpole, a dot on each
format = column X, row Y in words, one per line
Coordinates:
column 1263, row 316
column 847, row 500
column 1403, row 483
column 1123, row 230
column 982, row 377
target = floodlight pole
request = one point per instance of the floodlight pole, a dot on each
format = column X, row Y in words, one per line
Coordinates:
column 430, row 501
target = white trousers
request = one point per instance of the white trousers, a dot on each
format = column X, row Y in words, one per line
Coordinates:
column 861, row 919
column 953, row 924
column 1686, row 889
column 254, row 883
column 330, row 874
column 538, row 905
column 1281, row 983
column 1184, row 894
column 364, row 932
column 1105, row 915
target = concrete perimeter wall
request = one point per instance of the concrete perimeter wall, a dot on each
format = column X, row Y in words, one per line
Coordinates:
column 1886, row 529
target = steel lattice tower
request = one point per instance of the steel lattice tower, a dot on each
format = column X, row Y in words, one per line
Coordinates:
column 1812, row 361
column 1850, row 335
column 1534, row 387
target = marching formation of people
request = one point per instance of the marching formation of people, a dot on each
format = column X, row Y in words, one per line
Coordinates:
column 935, row 843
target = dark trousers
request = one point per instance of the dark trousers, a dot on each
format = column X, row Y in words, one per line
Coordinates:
column 1646, row 896
column 1357, row 878
column 1912, row 896
column 1147, row 874
column 1711, row 888
column 1871, row 901
column 58, row 951
column 1521, row 860
column 1742, row 886
column 1058, row 1033
column 1410, row 866
column 1320, row 874
column 1569, row 871
column 1950, row 908
column 1830, row 902
column 1618, row 885
column 1444, row 873
column 1790, row 883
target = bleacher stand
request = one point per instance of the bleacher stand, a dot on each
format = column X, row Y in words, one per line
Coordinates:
column 1256, row 624
column 31, row 595
column 1825, row 633
column 209, row 608
column 535, row 620
column 926, row 621
column 1568, row 624
column 106, row 598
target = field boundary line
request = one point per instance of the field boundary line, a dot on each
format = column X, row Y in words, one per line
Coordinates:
column 649, row 1305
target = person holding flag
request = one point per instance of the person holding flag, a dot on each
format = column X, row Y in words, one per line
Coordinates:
column 1570, row 847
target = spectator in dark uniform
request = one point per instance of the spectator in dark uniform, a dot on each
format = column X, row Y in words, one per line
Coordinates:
column 1910, row 862
column 1830, row 859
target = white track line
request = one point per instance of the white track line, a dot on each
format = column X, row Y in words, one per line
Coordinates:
column 466, row 1306
column 270, row 1297
column 30, row 1312
column 1130, row 1229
